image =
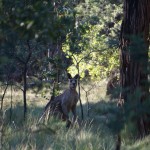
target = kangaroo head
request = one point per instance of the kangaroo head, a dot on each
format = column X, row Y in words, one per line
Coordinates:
column 72, row 81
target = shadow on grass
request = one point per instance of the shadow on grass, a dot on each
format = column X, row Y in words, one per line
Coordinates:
column 94, row 132
column 100, row 113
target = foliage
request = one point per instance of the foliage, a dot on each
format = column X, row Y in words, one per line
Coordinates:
column 27, row 30
column 94, row 41
column 87, row 32
column 42, row 23
column 84, row 29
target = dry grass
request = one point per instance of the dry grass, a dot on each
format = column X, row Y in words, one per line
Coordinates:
column 28, row 135
column 94, row 133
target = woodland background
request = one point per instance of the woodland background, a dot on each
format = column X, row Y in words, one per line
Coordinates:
column 106, row 42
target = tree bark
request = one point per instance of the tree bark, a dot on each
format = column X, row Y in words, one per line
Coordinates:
column 134, row 44
column 25, row 90
column 3, row 96
column 25, row 78
column 79, row 92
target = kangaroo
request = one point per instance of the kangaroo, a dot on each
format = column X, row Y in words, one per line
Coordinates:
column 64, row 103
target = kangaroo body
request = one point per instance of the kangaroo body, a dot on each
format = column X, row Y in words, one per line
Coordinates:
column 69, row 99
column 61, row 105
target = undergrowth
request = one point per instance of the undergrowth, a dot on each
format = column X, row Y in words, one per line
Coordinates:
column 97, row 131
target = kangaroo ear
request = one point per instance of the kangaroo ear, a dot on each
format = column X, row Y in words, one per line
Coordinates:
column 76, row 76
column 69, row 76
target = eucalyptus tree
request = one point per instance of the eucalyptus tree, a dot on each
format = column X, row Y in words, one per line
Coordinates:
column 134, row 47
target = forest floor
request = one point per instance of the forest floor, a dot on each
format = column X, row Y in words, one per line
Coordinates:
column 98, row 130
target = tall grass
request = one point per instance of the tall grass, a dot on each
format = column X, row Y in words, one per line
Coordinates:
column 25, row 135
column 54, row 135
column 95, row 132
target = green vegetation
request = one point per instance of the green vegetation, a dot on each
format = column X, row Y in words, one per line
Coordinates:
column 95, row 38
column 96, row 131
column 40, row 41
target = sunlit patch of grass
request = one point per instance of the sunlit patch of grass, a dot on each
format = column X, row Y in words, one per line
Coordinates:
column 93, row 134
column 24, row 135
column 142, row 144
column 82, row 138
column 96, row 91
column 55, row 136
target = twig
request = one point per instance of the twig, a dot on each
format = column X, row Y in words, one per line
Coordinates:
column 3, row 96
column 86, row 93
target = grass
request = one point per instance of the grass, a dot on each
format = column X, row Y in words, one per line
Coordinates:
column 142, row 144
column 95, row 133
column 55, row 136
column 62, row 139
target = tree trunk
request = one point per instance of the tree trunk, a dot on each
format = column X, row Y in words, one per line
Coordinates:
column 118, row 142
column 25, row 77
column 25, row 89
column 11, row 97
column 81, row 106
column 134, row 51
column 3, row 96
